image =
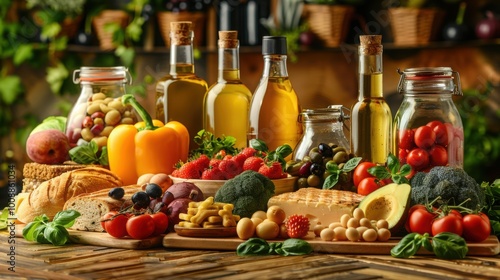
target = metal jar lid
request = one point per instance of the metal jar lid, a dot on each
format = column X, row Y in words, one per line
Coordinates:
column 425, row 78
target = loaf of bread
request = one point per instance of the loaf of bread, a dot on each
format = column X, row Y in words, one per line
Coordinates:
column 50, row 196
column 36, row 173
column 92, row 206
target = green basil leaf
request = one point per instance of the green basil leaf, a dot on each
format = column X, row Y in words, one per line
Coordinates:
column 284, row 150
column 103, row 158
column 42, row 218
column 56, row 234
column 295, row 247
column 351, row 164
column 331, row 181
column 405, row 169
column 448, row 245
column 30, row 229
column 259, row 145
column 39, row 234
column 85, row 153
column 392, row 163
column 380, row 172
column 426, row 243
column 407, row 246
column 276, row 248
column 253, row 247
column 66, row 218
column 332, row 167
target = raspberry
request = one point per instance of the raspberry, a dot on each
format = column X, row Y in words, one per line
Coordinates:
column 230, row 168
column 253, row 163
column 271, row 170
column 297, row 226
column 213, row 173
column 248, row 151
column 240, row 159
column 189, row 170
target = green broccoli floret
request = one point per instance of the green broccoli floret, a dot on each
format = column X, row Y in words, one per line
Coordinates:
column 248, row 192
column 452, row 184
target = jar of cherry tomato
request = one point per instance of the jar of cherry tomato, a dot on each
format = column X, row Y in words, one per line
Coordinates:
column 427, row 127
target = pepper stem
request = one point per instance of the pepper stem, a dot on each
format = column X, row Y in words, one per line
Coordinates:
column 129, row 99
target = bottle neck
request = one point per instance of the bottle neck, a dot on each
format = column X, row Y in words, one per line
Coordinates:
column 275, row 66
column 181, row 58
column 228, row 64
column 370, row 76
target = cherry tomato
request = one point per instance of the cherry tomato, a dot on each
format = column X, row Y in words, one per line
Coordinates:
column 419, row 220
column 161, row 223
column 438, row 156
column 449, row 223
column 361, row 172
column 476, row 227
column 425, row 137
column 141, row 226
column 106, row 217
column 368, row 185
column 406, row 137
column 418, row 159
column 116, row 226
column 441, row 132
column 402, row 155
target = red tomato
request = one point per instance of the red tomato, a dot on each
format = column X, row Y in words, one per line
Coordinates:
column 450, row 223
column 476, row 227
column 368, row 185
column 116, row 226
column 418, row 159
column 406, row 139
column 441, row 132
column 361, row 172
column 107, row 216
column 438, row 155
column 161, row 223
column 419, row 220
column 425, row 137
column 402, row 155
column 141, row 226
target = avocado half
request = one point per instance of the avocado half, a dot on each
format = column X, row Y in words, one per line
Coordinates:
column 391, row 203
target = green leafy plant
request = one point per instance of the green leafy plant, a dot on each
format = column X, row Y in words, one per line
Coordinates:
column 260, row 247
column 444, row 245
column 42, row 230
column 393, row 170
column 336, row 173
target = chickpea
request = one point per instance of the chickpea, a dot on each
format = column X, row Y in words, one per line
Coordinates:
column 358, row 213
column 352, row 234
column 361, row 230
column 340, row 234
column 365, row 222
column 353, row 222
column 383, row 234
column 334, row 225
column 370, row 235
column 382, row 224
column 327, row 234
column 317, row 229
column 344, row 219
column 113, row 117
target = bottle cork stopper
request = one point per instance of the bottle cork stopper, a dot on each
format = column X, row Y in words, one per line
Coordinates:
column 181, row 32
column 371, row 44
column 228, row 39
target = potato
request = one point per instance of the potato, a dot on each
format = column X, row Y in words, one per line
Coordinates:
column 267, row 230
column 276, row 214
column 245, row 228
column 260, row 214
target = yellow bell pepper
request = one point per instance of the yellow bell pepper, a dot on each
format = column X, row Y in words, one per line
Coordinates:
column 146, row 147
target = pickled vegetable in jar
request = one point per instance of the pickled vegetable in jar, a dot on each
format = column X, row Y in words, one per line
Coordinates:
column 99, row 108
column 427, row 127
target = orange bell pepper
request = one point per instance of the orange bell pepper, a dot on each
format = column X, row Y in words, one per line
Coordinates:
column 146, row 147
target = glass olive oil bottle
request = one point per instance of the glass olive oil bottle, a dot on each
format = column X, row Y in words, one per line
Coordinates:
column 371, row 117
column 275, row 107
column 227, row 102
column 179, row 95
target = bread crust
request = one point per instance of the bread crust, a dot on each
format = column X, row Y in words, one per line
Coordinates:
column 50, row 196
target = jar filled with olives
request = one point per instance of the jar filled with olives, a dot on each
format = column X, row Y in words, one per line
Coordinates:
column 99, row 108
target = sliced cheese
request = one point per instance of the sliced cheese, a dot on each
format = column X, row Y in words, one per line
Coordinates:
column 320, row 206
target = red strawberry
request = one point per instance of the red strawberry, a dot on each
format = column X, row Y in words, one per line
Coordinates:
column 240, row 159
column 253, row 163
column 201, row 162
column 271, row 170
column 230, row 168
column 175, row 173
column 248, row 151
column 215, row 162
column 297, row 226
column 213, row 173
column 189, row 170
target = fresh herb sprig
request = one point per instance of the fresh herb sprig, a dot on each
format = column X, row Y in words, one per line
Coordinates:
column 88, row 153
column 278, row 155
column 260, row 247
column 492, row 209
column 393, row 170
column 210, row 145
column 336, row 172
column 444, row 245
column 42, row 230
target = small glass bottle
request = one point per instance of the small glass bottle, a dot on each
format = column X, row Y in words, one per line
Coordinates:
column 227, row 102
column 428, row 129
column 371, row 120
column 322, row 125
column 275, row 107
column 99, row 108
column 179, row 95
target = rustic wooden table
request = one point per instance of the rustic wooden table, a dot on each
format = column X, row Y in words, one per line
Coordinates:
column 26, row 260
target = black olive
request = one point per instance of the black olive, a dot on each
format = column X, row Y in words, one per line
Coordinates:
column 153, row 190
column 140, row 199
column 325, row 150
column 317, row 169
column 116, row 193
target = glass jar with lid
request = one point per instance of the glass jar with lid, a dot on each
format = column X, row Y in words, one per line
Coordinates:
column 99, row 108
column 427, row 127
column 322, row 125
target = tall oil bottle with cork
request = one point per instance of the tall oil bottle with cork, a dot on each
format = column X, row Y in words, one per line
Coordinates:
column 275, row 107
column 371, row 118
column 227, row 102
column 179, row 95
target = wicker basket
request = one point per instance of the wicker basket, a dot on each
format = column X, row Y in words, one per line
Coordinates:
column 102, row 19
column 197, row 18
column 330, row 23
column 411, row 26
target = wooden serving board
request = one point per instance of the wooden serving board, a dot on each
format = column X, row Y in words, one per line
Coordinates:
column 489, row 247
column 104, row 239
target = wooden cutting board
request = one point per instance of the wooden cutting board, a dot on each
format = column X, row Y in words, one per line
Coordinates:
column 104, row 239
column 489, row 247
